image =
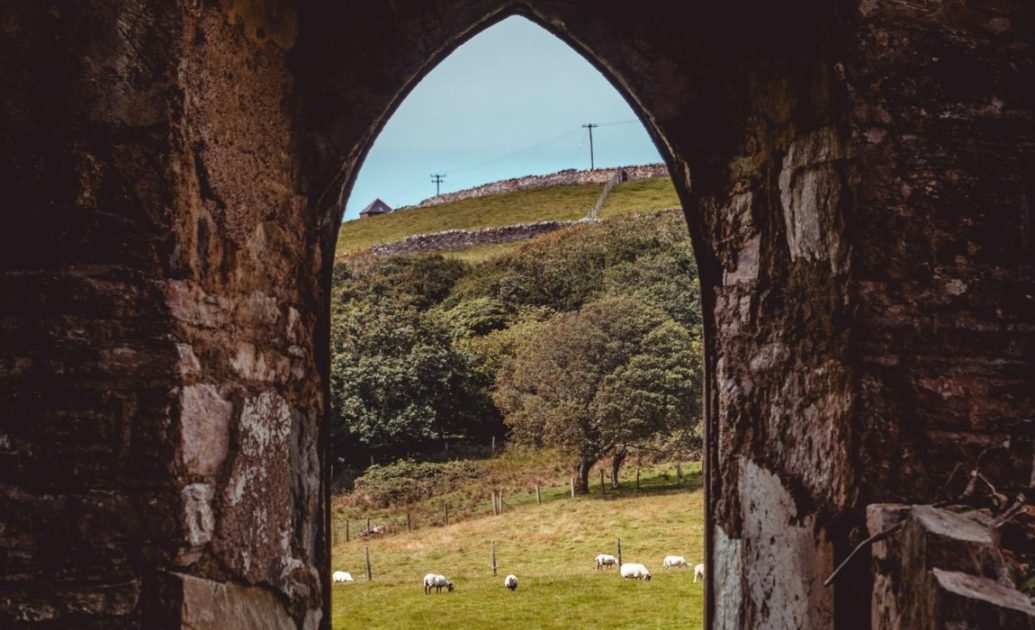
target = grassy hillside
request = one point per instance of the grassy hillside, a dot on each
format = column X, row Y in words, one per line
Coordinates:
column 523, row 206
column 550, row 547
column 556, row 203
column 482, row 253
column 644, row 195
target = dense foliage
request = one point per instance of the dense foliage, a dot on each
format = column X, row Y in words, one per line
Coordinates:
column 595, row 381
column 586, row 339
column 407, row 481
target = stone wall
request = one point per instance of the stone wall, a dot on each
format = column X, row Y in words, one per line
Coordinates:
column 569, row 177
column 459, row 239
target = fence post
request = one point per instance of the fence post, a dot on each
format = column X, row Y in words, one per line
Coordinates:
column 679, row 474
column 602, row 490
column 368, row 527
column 370, row 574
column 346, row 530
column 619, row 557
column 494, row 558
column 447, row 514
column 573, row 487
column 637, row 479
column 501, row 502
column 538, row 496
column 493, row 493
column 493, row 445
column 409, row 524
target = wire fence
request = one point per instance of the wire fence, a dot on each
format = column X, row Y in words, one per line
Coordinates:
column 498, row 501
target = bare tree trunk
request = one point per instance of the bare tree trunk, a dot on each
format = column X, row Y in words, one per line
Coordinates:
column 582, row 468
column 616, row 464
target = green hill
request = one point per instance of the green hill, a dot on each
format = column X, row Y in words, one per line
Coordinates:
column 550, row 548
column 643, row 195
column 524, row 206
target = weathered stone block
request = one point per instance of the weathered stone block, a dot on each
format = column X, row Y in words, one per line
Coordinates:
column 780, row 541
column 197, row 512
column 968, row 601
column 205, row 428
column 209, row 604
column 941, row 570
column 810, row 192
column 727, row 579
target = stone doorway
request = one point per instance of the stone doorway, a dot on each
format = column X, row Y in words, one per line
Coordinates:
column 856, row 180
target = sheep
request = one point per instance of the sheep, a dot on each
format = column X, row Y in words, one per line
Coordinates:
column 511, row 582
column 673, row 562
column 604, row 560
column 434, row 581
column 374, row 531
column 635, row 571
column 341, row 577
column 698, row 573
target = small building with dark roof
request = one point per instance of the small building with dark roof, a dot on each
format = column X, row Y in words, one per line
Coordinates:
column 376, row 207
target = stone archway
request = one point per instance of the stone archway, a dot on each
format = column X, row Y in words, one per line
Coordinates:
column 179, row 172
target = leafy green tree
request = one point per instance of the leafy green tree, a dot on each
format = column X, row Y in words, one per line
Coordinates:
column 418, row 281
column 475, row 317
column 597, row 381
column 666, row 279
column 397, row 384
column 491, row 351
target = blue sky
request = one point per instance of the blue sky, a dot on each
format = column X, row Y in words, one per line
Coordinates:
column 509, row 102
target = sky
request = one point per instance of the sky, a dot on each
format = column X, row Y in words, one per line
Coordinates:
column 509, row 102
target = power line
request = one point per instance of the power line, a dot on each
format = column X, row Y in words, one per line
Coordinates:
column 578, row 150
column 437, row 178
column 590, row 126
column 539, row 145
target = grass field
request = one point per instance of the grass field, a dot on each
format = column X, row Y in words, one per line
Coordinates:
column 550, row 547
column 644, row 195
column 525, row 206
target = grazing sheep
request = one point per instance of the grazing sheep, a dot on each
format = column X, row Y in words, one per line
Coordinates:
column 434, row 581
column 672, row 562
column 511, row 582
column 341, row 577
column 698, row 573
column 374, row 531
column 604, row 561
column 635, row 571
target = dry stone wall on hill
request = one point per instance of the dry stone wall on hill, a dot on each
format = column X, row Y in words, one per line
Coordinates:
column 459, row 239
column 570, row 177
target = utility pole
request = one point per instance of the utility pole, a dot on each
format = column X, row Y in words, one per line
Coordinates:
column 437, row 180
column 590, row 127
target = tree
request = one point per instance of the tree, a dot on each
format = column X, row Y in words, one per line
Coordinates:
column 397, row 384
column 667, row 280
column 418, row 281
column 475, row 317
column 600, row 379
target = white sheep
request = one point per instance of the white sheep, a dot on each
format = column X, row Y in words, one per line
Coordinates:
column 510, row 582
column 435, row 581
column 341, row 577
column 672, row 562
column 698, row 573
column 635, row 571
column 604, row 561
